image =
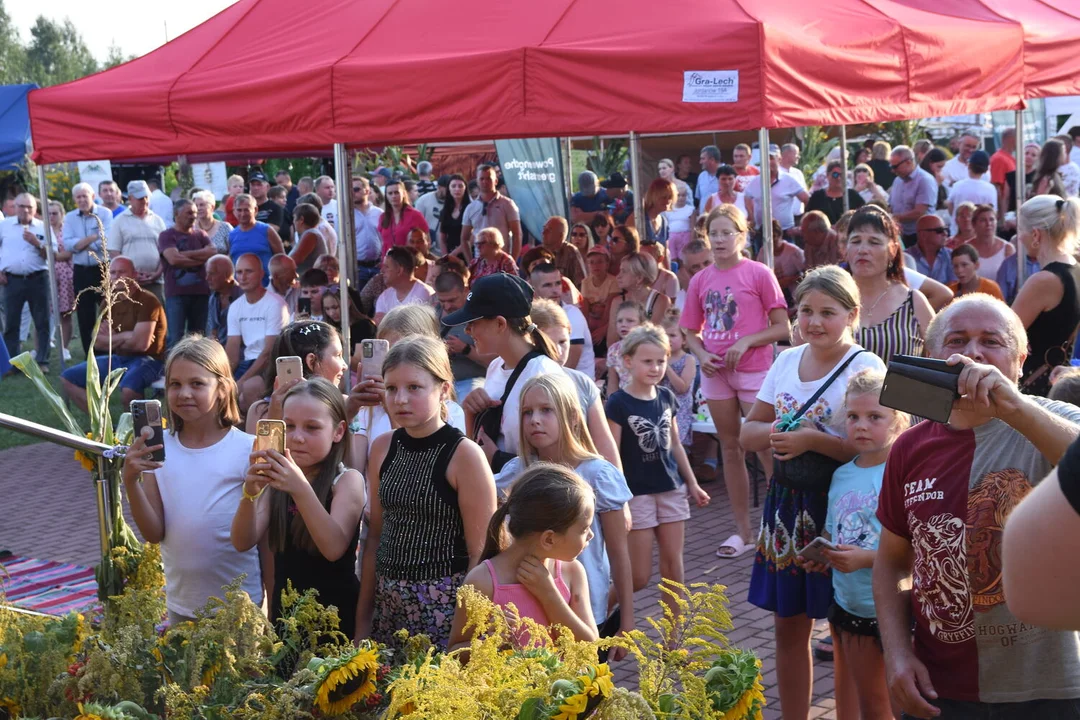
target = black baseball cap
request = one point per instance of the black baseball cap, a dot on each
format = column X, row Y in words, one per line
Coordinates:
column 258, row 175
column 498, row 295
column 615, row 180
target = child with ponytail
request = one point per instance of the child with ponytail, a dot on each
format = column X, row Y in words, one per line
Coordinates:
column 548, row 517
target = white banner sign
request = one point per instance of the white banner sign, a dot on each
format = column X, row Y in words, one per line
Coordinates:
column 95, row 172
column 710, row 86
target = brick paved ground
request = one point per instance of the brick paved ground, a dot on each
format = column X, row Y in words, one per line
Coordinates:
column 49, row 512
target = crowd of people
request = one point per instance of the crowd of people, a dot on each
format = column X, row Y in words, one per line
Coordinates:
column 529, row 431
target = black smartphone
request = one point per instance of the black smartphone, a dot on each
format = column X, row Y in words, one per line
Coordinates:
column 147, row 413
column 923, row 387
column 303, row 306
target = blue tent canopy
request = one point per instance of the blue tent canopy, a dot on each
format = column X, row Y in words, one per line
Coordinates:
column 14, row 125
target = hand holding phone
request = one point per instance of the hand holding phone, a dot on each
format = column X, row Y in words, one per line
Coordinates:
column 813, row 551
column 269, row 435
column 147, row 414
column 289, row 367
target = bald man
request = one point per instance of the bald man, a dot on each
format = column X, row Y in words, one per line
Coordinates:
column 223, row 290
column 929, row 255
column 137, row 340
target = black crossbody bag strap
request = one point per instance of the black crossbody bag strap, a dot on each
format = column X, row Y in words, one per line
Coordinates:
column 814, row 398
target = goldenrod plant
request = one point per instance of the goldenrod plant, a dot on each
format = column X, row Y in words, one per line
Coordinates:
column 231, row 664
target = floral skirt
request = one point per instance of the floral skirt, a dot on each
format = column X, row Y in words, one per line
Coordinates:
column 790, row 521
column 418, row 606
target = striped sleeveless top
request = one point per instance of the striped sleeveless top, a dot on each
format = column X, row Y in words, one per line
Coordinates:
column 897, row 334
column 423, row 536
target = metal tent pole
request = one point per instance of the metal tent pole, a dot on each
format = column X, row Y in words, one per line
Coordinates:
column 54, row 295
column 568, row 174
column 635, row 171
column 844, row 160
column 766, row 196
column 346, row 243
column 1021, row 191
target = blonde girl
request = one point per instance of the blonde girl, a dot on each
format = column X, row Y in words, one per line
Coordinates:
column 551, row 320
column 628, row 315
column 186, row 503
column 553, row 430
column 734, row 312
column 548, row 517
column 681, row 374
column 827, row 302
column 642, row 419
column 424, row 475
column 852, row 525
column 311, row 515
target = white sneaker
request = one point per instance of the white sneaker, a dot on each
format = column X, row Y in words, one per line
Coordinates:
column 67, row 355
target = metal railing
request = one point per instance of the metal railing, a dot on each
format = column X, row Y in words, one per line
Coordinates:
column 74, row 442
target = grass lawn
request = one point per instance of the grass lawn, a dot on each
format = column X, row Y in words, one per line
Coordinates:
column 20, row 397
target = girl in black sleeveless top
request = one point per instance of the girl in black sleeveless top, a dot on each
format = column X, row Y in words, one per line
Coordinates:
column 311, row 514
column 432, row 496
column 1049, row 302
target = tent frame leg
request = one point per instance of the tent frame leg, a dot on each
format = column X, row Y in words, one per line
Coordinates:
column 766, row 197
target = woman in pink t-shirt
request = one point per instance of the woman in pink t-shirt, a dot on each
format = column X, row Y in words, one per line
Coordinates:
column 734, row 313
column 400, row 217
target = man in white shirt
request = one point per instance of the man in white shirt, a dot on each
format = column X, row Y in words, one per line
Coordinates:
column 324, row 188
column 956, row 170
column 546, row 282
column 134, row 234
column 255, row 321
column 974, row 188
column 25, row 275
column 366, row 217
column 82, row 238
column 785, row 189
column 160, row 203
column 492, row 209
column 789, row 163
column 707, row 183
column 430, row 206
column 401, row 287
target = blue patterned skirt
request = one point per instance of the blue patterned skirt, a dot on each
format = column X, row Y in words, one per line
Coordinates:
column 791, row 519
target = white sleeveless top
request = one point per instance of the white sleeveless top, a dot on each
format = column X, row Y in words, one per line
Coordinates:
column 988, row 267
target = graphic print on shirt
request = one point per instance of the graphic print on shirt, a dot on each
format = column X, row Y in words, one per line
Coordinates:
column 820, row 415
column 855, row 513
column 989, row 503
column 720, row 313
column 652, row 436
column 940, row 583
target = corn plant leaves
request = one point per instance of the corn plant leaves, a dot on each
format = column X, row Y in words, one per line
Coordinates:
column 25, row 362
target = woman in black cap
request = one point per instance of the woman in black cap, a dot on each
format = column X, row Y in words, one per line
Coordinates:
column 496, row 315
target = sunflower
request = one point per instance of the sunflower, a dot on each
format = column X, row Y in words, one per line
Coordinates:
column 572, row 707
column 346, row 680
column 88, row 713
column 598, row 681
column 9, row 709
column 749, row 705
column 88, row 462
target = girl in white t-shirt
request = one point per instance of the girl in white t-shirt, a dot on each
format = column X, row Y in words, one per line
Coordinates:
column 187, row 502
column 828, row 310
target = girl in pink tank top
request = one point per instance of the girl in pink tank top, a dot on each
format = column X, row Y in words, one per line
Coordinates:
column 548, row 517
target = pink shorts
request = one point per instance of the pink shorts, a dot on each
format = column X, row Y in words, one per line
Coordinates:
column 648, row 511
column 726, row 384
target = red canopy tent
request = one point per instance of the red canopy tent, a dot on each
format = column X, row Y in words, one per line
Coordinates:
column 271, row 76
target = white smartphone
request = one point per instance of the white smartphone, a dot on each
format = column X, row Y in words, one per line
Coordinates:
column 372, row 355
column 290, row 367
column 813, row 551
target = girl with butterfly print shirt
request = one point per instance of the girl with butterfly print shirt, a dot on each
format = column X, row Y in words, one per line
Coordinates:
column 642, row 420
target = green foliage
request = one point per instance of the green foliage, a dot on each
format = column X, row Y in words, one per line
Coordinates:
column 816, row 146
column 607, row 157
column 902, row 132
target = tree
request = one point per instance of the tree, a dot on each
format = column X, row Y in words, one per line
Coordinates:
column 116, row 57
column 12, row 54
column 57, row 53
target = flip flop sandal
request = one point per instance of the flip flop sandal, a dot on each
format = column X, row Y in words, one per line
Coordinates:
column 736, row 544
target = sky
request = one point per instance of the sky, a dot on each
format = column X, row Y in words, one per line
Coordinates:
column 136, row 33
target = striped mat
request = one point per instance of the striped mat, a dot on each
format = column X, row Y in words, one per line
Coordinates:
column 46, row 586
